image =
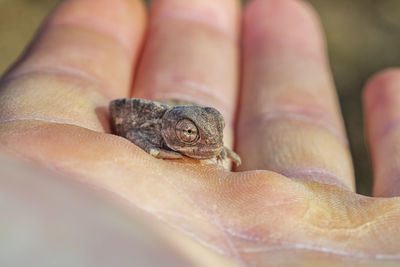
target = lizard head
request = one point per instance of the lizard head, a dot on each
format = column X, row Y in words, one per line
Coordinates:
column 194, row 131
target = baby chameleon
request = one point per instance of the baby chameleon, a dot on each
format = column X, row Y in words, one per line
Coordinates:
column 169, row 131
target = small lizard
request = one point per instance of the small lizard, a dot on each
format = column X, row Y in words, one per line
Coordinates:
column 171, row 129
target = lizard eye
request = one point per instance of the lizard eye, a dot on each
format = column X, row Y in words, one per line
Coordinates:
column 186, row 131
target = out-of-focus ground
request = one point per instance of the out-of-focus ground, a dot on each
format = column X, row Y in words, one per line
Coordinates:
column 363, row 37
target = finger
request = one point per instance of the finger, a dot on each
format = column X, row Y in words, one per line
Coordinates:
column 191, row 54
column 382, row 111
column 83, row 56
column 289, row 119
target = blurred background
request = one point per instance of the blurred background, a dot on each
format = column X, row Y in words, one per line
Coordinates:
column 363, row 37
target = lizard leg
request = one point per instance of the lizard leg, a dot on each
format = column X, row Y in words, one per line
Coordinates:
column 221, row 156
column 141, row 140
column 164, row 154
column 228, row 153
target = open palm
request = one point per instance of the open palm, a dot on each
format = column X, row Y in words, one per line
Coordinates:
column 291, row 201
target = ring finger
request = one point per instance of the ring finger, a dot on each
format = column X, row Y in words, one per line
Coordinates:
column 289, row 119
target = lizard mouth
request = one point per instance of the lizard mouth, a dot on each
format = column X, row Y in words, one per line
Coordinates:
column 202, row 153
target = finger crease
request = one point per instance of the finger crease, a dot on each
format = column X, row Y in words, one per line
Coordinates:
column 210, row 21
column 297, row 115
column 199, row 96
column 388, row 129
column 93, row 28
column 63, row 122
column 64, row 71
column 316, row 175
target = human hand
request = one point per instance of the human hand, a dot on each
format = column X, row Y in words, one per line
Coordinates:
column 291, row 202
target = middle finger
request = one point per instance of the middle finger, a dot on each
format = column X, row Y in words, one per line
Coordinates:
column 191, row 54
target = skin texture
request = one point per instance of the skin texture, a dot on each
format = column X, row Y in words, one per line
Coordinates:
column 171, row 131
column 291, row 202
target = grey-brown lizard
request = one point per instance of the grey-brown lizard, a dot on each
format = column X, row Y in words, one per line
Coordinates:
column 171, row 129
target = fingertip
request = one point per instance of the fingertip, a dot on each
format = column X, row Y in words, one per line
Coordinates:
column 379, row 87
column 381, row 100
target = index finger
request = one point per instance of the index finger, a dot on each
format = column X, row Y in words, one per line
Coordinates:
column 83, row 56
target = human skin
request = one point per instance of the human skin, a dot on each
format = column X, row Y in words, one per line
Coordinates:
column 291, row 202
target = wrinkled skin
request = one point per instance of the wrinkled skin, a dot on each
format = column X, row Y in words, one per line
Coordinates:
column 292, row 201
